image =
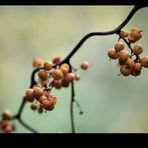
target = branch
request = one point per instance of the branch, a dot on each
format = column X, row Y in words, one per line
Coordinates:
column 27, row 126
column 20, row 110
column 114, row 31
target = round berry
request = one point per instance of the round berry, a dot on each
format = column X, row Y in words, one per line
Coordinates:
column 84, row 65
column 34, row 106
column 53, row 100
column 124, row 70
column 29, row 95
column 135, row 73
column 134, row 35
column 37, row 92
column 43, row 74
column 56, row 60
column 57, row 84
column 124, row 33
column 37, row 63
column 137, row 67
column 48, row 65
column 42, row 98
column 40, row 109
column 131, row 39
column 64, row 69
column 57, row 74
column 46, row 93
column 123, row 55
column 119, row 46
column 51, row 108
column 130, row 63
column 112, row 53
column 137, row 49
column 65, row 83
column 135, row 29
column 66, row 66
column 6, row 115
column 47, row 104
column 70, row 77
column 8, row 128
column 77, row 77
column 144, row 61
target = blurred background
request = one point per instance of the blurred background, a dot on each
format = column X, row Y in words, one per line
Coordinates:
column 111, row 103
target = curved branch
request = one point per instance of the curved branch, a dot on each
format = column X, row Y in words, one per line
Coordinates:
column 114, row 31
column 26, row 126
column 20, row 110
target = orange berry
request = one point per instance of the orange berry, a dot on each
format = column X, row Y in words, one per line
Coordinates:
column 53, row 100
column 4, row 123
column 57, row 84
column 134, row 73
column 135, row 29
column 137, row 67
column 119, row 46
column 134, row 35
column 130, row 63
column 144, row 61
column 112, row 53
column 124, row 33
column 65, row 83
column 37, row 63
column 131, row 39
column 57, row 74
column 65, row 65
column 48, row 65
column 42, row 98
column 9, row 128
column 46, row 93
column 69, row 77
column 46, row 102
column 56, row 60
column 37, row 92
column 123, row 55
column 6, row 115
column 34, row 106
column 51, row 108
column 40, row 110
column 29, row 95
column 137, row 49
column 64, row 68
column 77, row 77
column 43, row 74
column 124, row 70
column 84, row 65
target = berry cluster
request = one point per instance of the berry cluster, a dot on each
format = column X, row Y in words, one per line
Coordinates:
column 5, row 125
column 51, row 74
column 130, row 64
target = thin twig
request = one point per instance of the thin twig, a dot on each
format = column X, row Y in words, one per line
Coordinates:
column 72, row 108
column 27, row 126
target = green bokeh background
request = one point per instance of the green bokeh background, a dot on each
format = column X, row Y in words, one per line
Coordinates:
column 110, row 103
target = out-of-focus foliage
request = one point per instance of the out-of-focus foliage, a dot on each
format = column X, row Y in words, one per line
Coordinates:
column 111, row 103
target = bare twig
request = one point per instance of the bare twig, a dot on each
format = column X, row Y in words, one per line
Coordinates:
column 72, row 108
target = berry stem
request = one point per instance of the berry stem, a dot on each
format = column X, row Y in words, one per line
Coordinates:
column 72, row 108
